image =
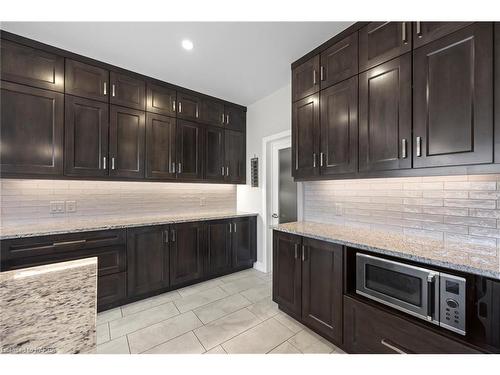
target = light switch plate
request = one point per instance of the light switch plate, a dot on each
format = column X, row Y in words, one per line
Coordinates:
column 57, row 207
column 70, row 206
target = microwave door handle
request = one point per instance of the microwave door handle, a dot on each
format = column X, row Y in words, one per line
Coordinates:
column 431, row 296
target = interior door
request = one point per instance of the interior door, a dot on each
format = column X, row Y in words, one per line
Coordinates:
column 187, row 252
column 305, row 137
column 214, row 154
column 86, row 80
column 453, row 99
column 127, row 91
column 189, row 150
column 126, row 142
column 235, row 146
column 305, row 79
column 86, row 137
column 160, row 146
column 219, row 246
column 322, row 287
column 385, row 116
column 339, row 128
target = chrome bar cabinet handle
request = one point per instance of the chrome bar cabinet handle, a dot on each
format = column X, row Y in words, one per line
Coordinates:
column 314, row 78
column 180, row 107
column 222, row 171
column 322, row 73
column 173, row 105
column 419, row 29
column 179, row 167
column 403, row 32
column 104, row 162
column 321, row 157
column 105, row 91
column 403, row 148
column 303, row 253
column 222, row 119
column 227, row 119
column 392, row 346
column 113, row 163
column 113, row 92
column 419, row 146
column 296, row 250
column 314, row 160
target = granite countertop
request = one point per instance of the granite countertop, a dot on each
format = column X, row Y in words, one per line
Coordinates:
column 74, row 226
column 49, row 309
column 475, row 259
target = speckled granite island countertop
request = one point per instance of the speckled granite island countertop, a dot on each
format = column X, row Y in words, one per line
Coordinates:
column 74, row 226
column 49, row 309
column 471, row 258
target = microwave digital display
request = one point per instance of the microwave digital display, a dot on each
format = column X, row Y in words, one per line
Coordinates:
column 452, row 287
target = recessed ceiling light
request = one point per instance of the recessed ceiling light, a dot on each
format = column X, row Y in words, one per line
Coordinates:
column 187, row 44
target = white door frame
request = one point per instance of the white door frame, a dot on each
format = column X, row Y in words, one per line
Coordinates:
column 275, row 142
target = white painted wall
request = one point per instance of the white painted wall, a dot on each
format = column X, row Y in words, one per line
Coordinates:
column 267, row 116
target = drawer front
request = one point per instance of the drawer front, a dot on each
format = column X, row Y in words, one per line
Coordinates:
column 111, row 289
column 58, row 244
column 370, row 330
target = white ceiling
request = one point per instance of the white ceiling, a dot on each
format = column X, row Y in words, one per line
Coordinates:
column 238, row 61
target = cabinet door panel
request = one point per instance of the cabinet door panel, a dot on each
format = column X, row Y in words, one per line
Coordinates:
column 160, row 146
column 111, row 289
column 188, row 106
column 127, row 91
column 235, row 145
column 382, row 41
column 87, row 81
column 287, row 272
column 244, row 246
column 187, row 252
column 189, row 150
column 31, row 66
column 385, row 116
column 126, row 142
column 340, row 61
column 212, row 112
column 305, row 134
column 235, row 118
column 214, row 154
column 148, row 259
column 339, row 128
column 86, row 137
column 161, row 100
column 426, row 32
column 322, row 287
column 305, row 79
column 32, row 130
column 453, row 99
column 219, row 246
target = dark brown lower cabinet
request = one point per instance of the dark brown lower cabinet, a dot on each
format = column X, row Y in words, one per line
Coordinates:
column 219, row 246
column 111, row 289
column 148, row 259
column 322, row 287
column 371, row 330
column 244, row 234
column 187, row 252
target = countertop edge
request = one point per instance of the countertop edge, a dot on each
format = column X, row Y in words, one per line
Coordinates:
column 397, row 254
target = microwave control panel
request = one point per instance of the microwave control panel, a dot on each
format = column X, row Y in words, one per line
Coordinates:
column 452, row 303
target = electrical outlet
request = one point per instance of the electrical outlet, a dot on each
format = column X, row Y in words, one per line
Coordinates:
column 57, row 207
column 202, row 201
column 70, row 206
column 339, row 209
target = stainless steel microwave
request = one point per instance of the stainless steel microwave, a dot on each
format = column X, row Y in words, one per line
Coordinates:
column 426, row 294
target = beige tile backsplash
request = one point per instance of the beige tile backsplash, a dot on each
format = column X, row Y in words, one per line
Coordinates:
column 454, row 209
column 28, row 201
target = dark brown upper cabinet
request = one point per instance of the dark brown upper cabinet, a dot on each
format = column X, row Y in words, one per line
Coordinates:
column 426, row 32
column 235, row 154
column 161, row 100
column 32, row 128
column 32, row 67
column 189, row 149
column 243, row 241
column 160, row 146
column 212, row 112
column 127, row 91
column 86, row 137
column 385, row 116
column 339, row 128
column 148, row 259
column 382, row 41
column 126, row 142
column 187, row 252
column 219, row 246
column 188, row 106
column 453, row 99
column 305, row 135
column 322, row 288
column 287, row 272
column 214, row 154
column 340, row 61
column 305, row 79
column 235, row 118
column 87, row 81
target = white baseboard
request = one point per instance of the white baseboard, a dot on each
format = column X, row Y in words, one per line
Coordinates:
column 259, row 266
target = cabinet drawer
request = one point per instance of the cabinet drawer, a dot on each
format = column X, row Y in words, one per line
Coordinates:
column 58, row 244
column 111, row 289
column 370, row 330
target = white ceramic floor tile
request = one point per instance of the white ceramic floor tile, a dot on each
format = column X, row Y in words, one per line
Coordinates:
column 148, row 303
column 309, row 342
column 237, row 276
column 108, row 315
column 259, row 339
column 289, row 322
column 145, row 318
column 117, row 346
column 202, row 298
column 159, row 333
column 242, row 284
column 264, row 309
column 196, row 288
column 285, row 348
column 258, row 293
column 217, row 350
column 225, row 328
column 220, row 308
column 102, row 333
column 185, row 344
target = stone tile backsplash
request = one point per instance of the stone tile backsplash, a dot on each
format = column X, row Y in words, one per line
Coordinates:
column 28, row 201
column 454, row 209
